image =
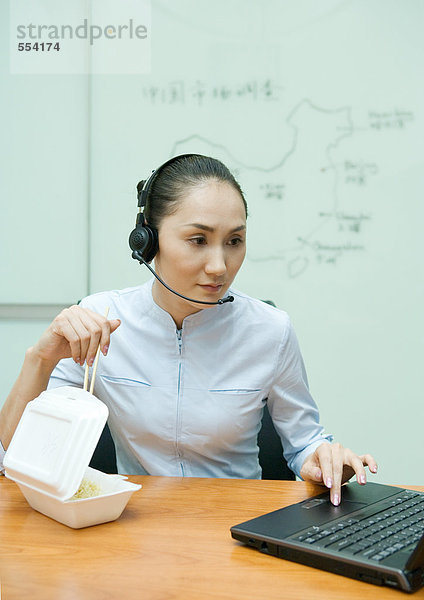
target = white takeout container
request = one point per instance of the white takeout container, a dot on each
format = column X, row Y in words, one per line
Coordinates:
column 49, row 454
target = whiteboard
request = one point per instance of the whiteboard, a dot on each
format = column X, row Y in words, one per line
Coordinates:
column 317, row 109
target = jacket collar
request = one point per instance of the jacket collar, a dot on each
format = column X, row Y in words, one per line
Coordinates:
column 161, row 315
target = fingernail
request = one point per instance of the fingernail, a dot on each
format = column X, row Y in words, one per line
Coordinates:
column 90, row 362
column 362, row 478
column 336, row 500
column 105, row 349
column 77, row 360
column 374, row 469
column 329, row 482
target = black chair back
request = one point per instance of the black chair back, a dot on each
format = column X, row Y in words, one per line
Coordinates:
column 271, row 458
column 104, row 456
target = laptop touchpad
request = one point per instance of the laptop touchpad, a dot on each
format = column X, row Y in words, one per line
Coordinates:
column 324, row 506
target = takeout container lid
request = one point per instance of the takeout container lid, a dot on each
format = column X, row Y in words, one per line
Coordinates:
column 55, row 440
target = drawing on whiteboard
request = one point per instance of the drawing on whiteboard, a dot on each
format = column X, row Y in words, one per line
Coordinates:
column 307, row 229
column 201, row 92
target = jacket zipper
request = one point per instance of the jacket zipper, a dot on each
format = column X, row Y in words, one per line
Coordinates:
column 177, row 428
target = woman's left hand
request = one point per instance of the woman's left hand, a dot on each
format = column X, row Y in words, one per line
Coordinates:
column 332, row 465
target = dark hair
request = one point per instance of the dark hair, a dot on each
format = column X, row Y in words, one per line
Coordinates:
column 183, row 173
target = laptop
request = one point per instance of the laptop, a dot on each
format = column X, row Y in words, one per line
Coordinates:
column 376, row 534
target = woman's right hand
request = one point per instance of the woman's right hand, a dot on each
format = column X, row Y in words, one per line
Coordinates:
column 75, row 333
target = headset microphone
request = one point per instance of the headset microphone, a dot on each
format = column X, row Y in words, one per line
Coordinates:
column 144, row 240
column 137, row 255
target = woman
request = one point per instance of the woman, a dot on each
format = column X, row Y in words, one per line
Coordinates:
column 185, row 383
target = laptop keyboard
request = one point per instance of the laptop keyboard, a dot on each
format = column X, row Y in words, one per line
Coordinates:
column 375, row 532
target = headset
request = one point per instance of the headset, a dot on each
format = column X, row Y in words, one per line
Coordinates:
column 144, row 240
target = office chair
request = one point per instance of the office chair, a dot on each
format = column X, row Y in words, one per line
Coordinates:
column 104, row 456
column 271, row 458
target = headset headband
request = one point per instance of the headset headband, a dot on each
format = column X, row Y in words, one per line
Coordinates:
column 143, row 187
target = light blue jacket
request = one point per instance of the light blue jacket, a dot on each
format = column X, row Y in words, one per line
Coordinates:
column 189, row 402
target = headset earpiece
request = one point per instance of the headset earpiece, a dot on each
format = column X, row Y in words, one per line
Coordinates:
column 144, row 239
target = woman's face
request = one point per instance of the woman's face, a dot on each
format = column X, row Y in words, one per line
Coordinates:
column 201, row 247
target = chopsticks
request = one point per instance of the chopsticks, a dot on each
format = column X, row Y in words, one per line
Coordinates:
column 96, row 360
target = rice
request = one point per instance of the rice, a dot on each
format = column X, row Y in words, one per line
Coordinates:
column 87, row 489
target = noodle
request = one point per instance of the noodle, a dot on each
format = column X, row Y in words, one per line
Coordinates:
column 87, row 489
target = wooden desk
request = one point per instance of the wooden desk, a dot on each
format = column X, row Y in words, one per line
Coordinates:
column 172, row 542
